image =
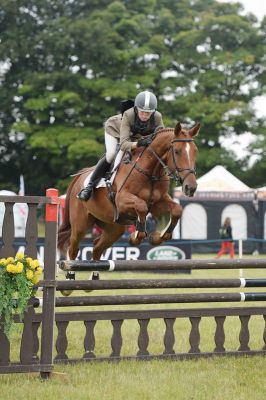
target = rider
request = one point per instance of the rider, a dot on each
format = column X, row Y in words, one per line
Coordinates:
column 140, row 120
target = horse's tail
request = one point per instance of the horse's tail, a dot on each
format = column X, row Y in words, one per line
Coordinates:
column 64, row 231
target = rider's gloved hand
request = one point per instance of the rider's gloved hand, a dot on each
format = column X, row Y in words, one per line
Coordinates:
column 144, row 141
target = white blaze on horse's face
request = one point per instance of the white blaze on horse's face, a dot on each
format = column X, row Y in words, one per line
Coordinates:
column 188, row 153
column 189, row 185
column 186, row 157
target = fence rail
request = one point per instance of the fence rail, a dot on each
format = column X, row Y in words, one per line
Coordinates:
column 161, row 265
column 38, row 351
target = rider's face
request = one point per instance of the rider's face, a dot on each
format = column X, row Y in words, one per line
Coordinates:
column 144, row 116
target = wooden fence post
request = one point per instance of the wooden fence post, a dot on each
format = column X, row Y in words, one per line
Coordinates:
column 50, row 251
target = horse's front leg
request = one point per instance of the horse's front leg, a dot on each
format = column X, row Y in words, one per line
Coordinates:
column 129, row 204
column 159, row 208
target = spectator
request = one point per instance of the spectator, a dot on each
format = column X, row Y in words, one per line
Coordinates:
column 226, row 234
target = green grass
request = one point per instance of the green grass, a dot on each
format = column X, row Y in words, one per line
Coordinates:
column 204, row 379
column 235, row 378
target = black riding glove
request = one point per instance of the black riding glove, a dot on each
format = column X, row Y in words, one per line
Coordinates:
column 144, row 141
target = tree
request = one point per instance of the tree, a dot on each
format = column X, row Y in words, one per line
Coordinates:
column 69, row 64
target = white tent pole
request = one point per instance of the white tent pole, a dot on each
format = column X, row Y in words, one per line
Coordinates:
column 240, row 255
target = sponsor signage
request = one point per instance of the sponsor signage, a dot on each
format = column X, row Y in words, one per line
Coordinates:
column 165, row 253
column 122, row 250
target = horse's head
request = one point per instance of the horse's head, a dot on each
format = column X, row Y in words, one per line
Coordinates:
column 182, row 158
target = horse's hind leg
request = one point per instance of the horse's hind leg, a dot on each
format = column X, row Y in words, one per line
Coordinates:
column 79, row 228
column 78, row 231
column 111, row 233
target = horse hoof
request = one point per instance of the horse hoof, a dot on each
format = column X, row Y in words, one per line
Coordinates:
column 136, row 239
column 167, row 236
column 155, row 238
column 133, row 239
column 95, row 276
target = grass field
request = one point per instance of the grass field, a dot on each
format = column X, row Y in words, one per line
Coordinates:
column 234, row 378
column 211, row 379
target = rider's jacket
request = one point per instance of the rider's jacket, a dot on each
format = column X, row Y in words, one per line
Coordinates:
column 129, row 128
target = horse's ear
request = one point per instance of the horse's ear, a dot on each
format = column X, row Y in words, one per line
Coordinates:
column 178, row 128
column 195, row 130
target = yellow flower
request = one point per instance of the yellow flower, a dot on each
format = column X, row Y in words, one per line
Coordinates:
column 35, row 279
column 19, row 256
column 34, row 264
column 19, row 268
column 18, row 279
column 29, row 274
column 10, row 268
column 38, row 271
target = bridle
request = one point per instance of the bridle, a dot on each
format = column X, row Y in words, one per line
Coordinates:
column 171, row 174
column 174, row 174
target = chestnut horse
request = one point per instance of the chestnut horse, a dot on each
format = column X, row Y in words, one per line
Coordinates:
column 141, row 185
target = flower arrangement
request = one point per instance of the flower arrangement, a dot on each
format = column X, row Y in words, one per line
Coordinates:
column 17, row 279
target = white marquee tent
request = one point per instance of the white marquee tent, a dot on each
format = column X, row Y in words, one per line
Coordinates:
column 220, row 179
column 219, row 195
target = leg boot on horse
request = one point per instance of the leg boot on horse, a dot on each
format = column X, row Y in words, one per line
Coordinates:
column 102, row 167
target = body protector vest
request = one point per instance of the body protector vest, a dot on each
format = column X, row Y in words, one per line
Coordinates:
column 143, row 128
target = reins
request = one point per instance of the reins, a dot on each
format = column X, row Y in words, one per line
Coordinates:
column 167, row 171
column 133, row 166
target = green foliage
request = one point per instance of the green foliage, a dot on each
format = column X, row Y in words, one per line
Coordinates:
column 69, row 64
column 83, row 147
column 256, row 175
column 17, row 277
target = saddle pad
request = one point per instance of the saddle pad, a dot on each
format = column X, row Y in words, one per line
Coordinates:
column 114, row 171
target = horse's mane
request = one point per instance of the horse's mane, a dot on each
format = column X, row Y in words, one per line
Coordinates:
column 164, row 130
column 161, row 131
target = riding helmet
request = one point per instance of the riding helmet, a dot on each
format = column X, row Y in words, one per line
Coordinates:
column 146, row 101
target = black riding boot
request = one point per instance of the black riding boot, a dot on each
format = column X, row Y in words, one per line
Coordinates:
column 100, row 170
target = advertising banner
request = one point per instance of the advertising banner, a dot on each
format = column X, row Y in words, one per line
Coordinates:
column 172, row 250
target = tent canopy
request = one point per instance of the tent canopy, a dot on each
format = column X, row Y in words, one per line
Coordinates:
column 7, row 193
column 219, row 182
column 220, row 179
